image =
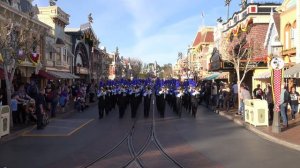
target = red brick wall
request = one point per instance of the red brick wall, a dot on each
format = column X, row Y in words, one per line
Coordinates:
column 258, row 34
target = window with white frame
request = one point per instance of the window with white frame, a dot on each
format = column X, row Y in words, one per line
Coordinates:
column 287, row 46
column 292, row 37
column 65, row 54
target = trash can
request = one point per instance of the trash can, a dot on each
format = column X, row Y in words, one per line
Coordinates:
column 4, row 120
column 248, row 109
column 260, row 113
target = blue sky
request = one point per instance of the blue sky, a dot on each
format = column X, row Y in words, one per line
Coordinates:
column 151, row 30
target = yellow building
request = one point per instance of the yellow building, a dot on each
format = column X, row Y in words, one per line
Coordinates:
column 288, row 30
column 290, row 40
column 200, row 52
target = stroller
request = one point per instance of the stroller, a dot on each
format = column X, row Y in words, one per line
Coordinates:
column 31, row 117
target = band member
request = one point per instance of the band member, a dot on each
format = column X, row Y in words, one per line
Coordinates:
column 162, row 101
column 122, row 99
column 179, row 101
column 101, row 101
column 147, row 100
column 195, row 95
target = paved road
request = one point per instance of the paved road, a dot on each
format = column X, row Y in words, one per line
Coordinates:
column 207, row 141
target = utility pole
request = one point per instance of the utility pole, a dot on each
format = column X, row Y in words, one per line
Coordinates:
column 227, row 3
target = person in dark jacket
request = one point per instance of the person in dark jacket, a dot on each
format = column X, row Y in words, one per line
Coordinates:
column 40, row 106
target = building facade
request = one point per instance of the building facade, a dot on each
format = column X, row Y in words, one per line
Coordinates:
column 86, row 52
column 30, row 55
column 252, row 21
column 58, row 57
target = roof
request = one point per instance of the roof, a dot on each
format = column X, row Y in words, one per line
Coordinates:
column 205, row 36
column 72, row 29
column 276, row 17
column 208, row 37
column 197, row 39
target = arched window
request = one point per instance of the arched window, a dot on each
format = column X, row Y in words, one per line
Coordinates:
column 287, row 35
column 293, row 34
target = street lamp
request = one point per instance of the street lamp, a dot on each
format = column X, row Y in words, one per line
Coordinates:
column 276, row 50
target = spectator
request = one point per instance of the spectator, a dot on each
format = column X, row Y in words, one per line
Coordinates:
column 235, row 94
column 294, row 99
column 284, row 99
column 258, row 92
column 227, row 96
column 268, row 95
column 14, row 109
column 40, row 108
column 244, row 95
column 214, row 94
column 221, row 96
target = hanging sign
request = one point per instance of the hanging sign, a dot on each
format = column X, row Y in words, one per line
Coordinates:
column 277, row 65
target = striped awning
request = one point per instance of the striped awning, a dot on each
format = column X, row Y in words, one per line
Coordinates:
column 293, row 72
column 263, row 75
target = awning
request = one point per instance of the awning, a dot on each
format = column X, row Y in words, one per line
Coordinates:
column 46, row 75
column 63, row 75
column 223, row 75
column 263, row 75
column 212, row 77
column 293, row 72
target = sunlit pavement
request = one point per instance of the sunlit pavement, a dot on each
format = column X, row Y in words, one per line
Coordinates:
column 207, row 141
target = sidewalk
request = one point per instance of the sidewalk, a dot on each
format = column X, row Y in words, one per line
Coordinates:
column 19, row 130
column 289, row 137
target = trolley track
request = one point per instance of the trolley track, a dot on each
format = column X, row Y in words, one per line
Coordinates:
column 136, row 156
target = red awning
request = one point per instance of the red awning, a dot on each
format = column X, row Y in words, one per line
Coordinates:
column 46, row 75
column 2, row 75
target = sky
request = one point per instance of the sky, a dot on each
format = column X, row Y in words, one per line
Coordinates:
column 150, row 30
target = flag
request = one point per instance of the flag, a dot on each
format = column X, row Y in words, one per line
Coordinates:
column 202, row 14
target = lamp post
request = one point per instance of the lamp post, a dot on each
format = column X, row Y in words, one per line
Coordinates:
column 277, row 65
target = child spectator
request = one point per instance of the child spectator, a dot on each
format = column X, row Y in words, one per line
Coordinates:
column 14, row 109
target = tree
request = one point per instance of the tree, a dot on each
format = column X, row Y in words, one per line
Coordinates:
column 18, row 40
column 243, row 51
column 136, row 66
column 167, row 71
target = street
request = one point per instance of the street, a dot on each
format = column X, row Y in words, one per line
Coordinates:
column 85, row 141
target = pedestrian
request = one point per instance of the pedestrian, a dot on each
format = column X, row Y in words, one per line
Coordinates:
column 294, row 99
column 284, row 99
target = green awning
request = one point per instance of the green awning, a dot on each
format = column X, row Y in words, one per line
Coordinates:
column 212, row 77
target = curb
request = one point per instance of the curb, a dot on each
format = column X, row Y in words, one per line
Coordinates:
column 19, row 133
column 261, row 133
